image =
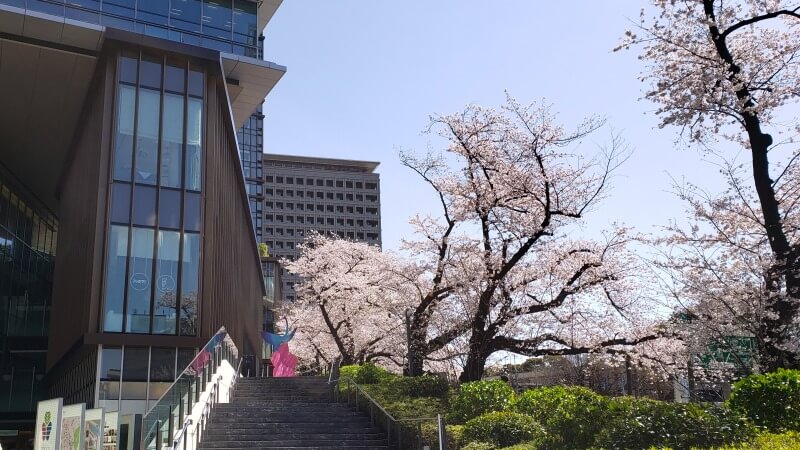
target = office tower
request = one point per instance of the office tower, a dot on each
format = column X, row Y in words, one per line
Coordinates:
column 327, row 195
column 123, row 206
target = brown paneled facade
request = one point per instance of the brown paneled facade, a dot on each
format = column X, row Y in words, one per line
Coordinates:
column 156, row 245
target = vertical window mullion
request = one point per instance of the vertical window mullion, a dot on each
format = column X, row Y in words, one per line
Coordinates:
column 179, row 287
column 156, row 234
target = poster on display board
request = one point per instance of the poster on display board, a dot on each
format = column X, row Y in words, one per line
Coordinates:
column 110, row 430
column 93, row 429
column 48, row 423
column 72, row 426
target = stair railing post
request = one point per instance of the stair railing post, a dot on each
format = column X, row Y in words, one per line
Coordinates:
column 180, row 410
column 171, row 425
column 189, row 397
column 158, row 435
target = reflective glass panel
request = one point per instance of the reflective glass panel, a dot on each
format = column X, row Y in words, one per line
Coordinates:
column 185, row 14
column 147, row 136
column 196, row 83
column 175, row 75
column 150, row 71
column 194, row 144
column 128, row 64
column 156, row 11
column 139, row 281
column 125, row 8
column 245, row 22
column 123, row 148
column 190, row 270
column 169, row 209
column 217, row 16
column 162, row 364
column 172, row 141
column 144, row 205
column 134, row 373
column 115, row 278
column 121, row 203
column 165, row 318
column 191, row 212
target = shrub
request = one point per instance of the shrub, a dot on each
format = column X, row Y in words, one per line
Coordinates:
column 411, row 408
column 424, row 386
column 479, row 446
column 572, row 416
column 771, row 400
column 455, row 435
column 367, row 373
column 503, row 428
column 635, row 423
column 770, row 441
column 479, row 397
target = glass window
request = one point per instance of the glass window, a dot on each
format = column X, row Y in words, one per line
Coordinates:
column 190, row 271
column 115, row 278
column 172, row 141
column 141, row 268
column 125, row 8
column 194, row 147
column 123, row 148
column 185, row 356
column 165, row 317
column 110, row 365
column 196, row 83
column 217, row 17
column 162, row 371
column 144, row 205
column 128, row 67
column 185, row 15
column 245, row 22
column 191, row 212
column 134, row 373
column 169, row 209
column 174, row 75
column 121, row 203
column 150, row 71
column 147, row 136
column 155, row 11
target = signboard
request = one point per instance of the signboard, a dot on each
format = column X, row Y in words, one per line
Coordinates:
column 93, row 429
column 110, row 430
column 48, row 424
column 72, row 426
column 739, row 351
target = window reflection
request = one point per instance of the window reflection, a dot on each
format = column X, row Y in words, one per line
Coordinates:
column 144, row 205
column 194, row 148
column 147, row 136
column 121, row 202
column 115, row 278
column 164, row 318
column 190, row 269
column 139, row 281
column 172, row 141
column 134, row 373
column 185, row 14
column 123, row 149
column 169, row 209
column 217, row 16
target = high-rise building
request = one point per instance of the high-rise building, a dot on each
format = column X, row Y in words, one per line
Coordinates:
column 126, row 237
column 301, row 194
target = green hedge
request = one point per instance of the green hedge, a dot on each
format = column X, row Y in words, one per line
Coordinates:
column 771, row 400
column 503, row 428
column 571, row 415
column 637, row 423
column 480, row 397
column 423, row 386
column 366, row 373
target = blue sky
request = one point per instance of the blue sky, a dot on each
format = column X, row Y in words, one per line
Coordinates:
column 364, row 76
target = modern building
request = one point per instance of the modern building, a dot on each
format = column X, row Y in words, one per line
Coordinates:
column 301, row 194
column 123, row 203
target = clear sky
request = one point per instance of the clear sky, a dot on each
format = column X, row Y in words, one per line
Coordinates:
column 363, row 77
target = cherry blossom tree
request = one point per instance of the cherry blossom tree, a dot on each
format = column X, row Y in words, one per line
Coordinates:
column 499, row 264
column 729, row 70
column 347, row 303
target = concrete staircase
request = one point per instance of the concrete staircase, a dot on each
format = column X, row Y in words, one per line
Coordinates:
column 288, row 413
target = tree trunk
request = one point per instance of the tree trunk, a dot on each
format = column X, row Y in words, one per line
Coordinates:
column 473, row 370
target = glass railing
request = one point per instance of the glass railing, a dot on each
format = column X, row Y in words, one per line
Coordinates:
column 167, row 418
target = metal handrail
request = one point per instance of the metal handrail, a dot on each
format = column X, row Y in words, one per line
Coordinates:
column 392, row 423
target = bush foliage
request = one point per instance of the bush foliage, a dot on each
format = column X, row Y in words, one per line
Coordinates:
column 637, row 423
column 571, row 415
column 503, row 428
column 480, row 397
column 770, row 400
column 424, row 386
column 367, row 373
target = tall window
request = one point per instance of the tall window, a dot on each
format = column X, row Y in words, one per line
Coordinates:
column 152, row 275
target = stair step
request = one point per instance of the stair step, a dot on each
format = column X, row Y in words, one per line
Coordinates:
column 303, row 443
